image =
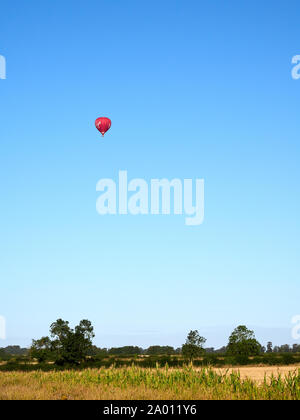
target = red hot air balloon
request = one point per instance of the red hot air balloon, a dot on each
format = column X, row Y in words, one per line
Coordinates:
column 103, row 124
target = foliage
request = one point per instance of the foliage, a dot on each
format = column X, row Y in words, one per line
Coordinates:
column 8, row 352
column 157, row 350
column 193, row 346
column 67, row 345
column 126, row 350
column 242, row 342
column 41, row 349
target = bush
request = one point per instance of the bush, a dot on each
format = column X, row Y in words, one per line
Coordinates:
column 287, row 359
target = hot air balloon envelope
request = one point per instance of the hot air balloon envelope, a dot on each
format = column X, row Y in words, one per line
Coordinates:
column 103, row 124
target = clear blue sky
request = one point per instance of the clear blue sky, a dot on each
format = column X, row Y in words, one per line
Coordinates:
column 195, row 90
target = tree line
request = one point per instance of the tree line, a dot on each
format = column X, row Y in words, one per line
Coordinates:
column 73, row 346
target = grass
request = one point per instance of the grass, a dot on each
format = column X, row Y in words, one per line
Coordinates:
column 142, row 383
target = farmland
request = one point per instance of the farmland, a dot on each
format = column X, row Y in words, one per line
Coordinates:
column 67, row 366
column 128, row 383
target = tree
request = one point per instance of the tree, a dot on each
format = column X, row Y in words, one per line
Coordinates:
column 125, row 351
column 296, row 348
column 193, row 346
column 242, row 342
column 97, row 351
column 159, row 350
column 84, row 334
column 270, row 347
column 41, row 349
column 285, row 348
column 67, row 345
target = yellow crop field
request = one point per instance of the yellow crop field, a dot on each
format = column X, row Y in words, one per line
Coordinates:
column 154, row 384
